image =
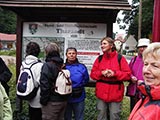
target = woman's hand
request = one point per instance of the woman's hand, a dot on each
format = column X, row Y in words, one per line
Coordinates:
column 134, row 79
column 139, row 82
column 108, row 73
column 104, row 73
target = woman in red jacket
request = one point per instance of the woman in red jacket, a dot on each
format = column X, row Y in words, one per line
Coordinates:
column 109, row 73
column 148, row 107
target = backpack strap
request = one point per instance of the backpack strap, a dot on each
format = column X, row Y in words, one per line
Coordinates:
column 134, row 60
column 29, row 68
column 67, row 77
column 119, row 58
column 100, row 58
column 31, row 64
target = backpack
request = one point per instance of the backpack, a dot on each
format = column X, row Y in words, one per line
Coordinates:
column 27, row 86
column 119, row 58
column 63, row 84
column 133, row 60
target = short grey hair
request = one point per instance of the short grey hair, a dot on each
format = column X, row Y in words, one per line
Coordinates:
column 52, row 47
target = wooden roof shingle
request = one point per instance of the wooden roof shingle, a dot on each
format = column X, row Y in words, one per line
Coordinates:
column 91, row 4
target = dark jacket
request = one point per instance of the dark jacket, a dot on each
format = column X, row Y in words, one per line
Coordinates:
column 147, row 108
column 49, row 73
column 5, row 75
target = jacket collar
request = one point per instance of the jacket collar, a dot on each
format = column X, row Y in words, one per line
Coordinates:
column 76, row 61
column 110, row 54
column 151, row 91
column 30, row 59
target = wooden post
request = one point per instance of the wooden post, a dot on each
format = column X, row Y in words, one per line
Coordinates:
column 156, row 22
column 140, row 20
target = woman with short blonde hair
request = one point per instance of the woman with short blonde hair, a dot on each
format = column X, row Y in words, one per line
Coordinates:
column 148, row 107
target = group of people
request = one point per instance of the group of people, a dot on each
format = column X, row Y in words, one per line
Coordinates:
column 110, row 70
column 49, row 105
column 143, row 72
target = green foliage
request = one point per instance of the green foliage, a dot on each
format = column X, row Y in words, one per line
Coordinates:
column 125, row 108
column 8, row 52
column 131, row 18
column 90, row 108
column 90, row 102
column 147, row 18
column 7, row 21
column 41, row 55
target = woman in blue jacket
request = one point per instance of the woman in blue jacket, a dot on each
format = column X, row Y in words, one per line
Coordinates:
column 79, row 77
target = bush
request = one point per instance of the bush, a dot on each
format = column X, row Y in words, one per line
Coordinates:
column 8, row 52
column 90, row 108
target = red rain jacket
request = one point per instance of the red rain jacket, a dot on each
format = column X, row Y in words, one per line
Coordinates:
column 112, row 90
column 147, row 108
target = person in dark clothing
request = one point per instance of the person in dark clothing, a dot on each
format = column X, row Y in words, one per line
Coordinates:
column 53, row 104
column 5, row 75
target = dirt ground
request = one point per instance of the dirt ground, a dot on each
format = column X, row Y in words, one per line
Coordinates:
column 8, row 59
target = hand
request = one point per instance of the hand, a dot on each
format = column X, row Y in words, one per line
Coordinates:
column 134, row 79
column 108, row 73
column 140, row 81
column 104, row 73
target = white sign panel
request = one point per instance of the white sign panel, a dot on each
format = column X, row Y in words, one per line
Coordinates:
column 85, row 37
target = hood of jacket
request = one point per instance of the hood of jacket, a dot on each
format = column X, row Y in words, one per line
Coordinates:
column 30, row 59
column 150, row 91
column 55, row 59
column 109, row 54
